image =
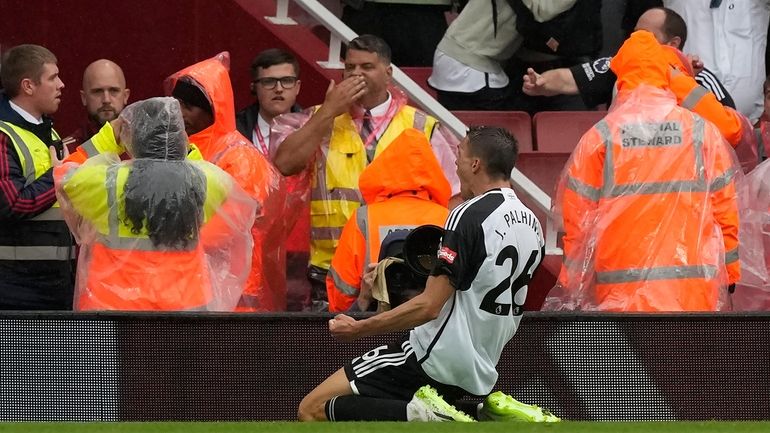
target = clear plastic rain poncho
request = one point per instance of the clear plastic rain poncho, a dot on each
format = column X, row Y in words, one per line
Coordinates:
column 157, row 232
column 331, row 179
column 648, row 202
column 753, row 291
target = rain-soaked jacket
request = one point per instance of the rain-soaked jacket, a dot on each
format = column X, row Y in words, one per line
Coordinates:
column 342, row 157
column 224, row 146
column 648, row 201
column 121, row 267
column 753, row 291
column 403, row 187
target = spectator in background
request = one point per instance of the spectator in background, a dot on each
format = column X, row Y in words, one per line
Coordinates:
column 403, row 188
column 36, row 247
column 275, row 84
column 333, row 143
column 554, row 34
column 468, row 71
column 104, row 94
column 206, row 99
column 182, row 240
column 594, row 81
column 648, row 199
column 730, row 36
column 412, row 28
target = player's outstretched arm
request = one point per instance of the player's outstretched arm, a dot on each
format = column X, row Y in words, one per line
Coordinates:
column 418, row 310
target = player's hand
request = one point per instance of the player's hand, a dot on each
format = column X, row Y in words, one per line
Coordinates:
column 340, row 97
column 534, row 84
column 344, row 328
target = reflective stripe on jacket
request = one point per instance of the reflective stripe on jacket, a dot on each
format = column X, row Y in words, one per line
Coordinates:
column 147, row 277
column 404, row 188
column 334, row 192
column 649, row 199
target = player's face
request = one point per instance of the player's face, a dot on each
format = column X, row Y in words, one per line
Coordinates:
column 464, row 164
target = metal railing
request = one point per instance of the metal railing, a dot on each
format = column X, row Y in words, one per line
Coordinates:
column 340, row 33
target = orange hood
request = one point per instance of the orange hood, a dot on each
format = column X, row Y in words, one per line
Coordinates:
column 212, row 76
column 406, row 166
column 641, row 60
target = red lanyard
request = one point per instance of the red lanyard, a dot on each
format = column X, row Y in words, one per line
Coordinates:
column 262, row 145
column 372, row 138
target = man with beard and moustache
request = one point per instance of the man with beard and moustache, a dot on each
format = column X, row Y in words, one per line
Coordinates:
column 36, row 246
column 104, row 95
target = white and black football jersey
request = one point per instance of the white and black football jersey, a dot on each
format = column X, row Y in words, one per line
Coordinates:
column 491, row 247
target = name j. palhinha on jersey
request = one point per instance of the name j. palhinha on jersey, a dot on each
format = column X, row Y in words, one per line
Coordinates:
column 520, row 217
column 665, row 134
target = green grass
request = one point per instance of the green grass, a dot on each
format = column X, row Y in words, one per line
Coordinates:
column 281, row 427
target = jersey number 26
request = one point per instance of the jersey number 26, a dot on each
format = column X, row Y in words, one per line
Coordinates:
column 489, row 303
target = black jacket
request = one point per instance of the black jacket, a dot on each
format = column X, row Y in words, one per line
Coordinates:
column 30, row 284
column 247, row 118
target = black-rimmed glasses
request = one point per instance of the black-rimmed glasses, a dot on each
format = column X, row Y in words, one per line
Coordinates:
column 269, row 83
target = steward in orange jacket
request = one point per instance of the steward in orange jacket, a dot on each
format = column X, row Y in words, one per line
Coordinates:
column 403, row 188
column 648, row 200
column 224, row 146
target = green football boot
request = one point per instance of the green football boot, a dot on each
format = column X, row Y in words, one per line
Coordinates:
column 428, row 405
column 499, row 406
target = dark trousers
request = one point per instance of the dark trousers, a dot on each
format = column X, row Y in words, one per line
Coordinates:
column 485, row 99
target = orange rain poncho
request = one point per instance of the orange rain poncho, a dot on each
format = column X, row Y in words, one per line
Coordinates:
column 403, row 188
column 648, row 201
column 224, row 146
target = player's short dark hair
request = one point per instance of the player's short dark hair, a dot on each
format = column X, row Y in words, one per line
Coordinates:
column 674, row 25
column 372, row 44
column 271, row 57
column 21, row 62
column 496, row 147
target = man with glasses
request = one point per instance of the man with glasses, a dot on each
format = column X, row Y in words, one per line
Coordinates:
column 275, row 83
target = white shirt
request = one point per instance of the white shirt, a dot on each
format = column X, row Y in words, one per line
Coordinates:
column 379, row 120
column 450, row 75
column 25, row 115
column 731, row 40
column 491, row 246
column 264, row 129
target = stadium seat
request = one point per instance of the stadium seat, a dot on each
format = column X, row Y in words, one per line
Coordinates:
column 517, row 122
column 543, row 169
column 420, row 76
column 560, row 131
